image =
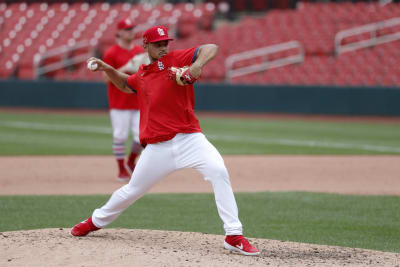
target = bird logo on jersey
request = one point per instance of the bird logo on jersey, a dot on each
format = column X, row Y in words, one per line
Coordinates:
column 160, row 31
column 160, row 65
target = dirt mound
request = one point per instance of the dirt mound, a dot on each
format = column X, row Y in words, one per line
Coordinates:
column 128, row 247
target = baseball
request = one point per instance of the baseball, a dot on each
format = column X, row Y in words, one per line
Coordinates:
column 92, row 65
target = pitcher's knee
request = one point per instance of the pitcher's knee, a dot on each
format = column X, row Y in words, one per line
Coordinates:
column 217, row 171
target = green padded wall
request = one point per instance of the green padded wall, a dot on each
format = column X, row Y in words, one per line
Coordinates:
column 217, row 97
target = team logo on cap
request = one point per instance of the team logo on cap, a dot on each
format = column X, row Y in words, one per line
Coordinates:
column 160, row 31
column 128, row 21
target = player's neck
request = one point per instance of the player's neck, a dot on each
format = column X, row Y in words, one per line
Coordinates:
column 125, row 44
column 152, row 59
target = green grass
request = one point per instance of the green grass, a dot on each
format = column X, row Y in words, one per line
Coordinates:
column 82, row 134
column 54, row 134
column 371, row 222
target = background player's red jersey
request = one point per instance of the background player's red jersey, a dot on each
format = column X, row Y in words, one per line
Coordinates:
column 117, row 56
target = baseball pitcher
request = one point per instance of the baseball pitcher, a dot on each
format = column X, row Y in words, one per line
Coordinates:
column 171, row 134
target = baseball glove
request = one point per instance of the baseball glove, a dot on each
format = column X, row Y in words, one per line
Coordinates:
column 182, row 76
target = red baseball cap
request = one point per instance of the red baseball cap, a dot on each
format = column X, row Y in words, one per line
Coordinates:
column 125, row 24
column 156, row 34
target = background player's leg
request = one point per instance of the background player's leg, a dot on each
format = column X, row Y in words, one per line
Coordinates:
column 155, row 163
column 198, row 153
column 136, row 148
column 120, row 122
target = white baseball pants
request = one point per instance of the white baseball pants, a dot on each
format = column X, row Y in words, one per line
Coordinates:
column 159, row 160
column 124, row 120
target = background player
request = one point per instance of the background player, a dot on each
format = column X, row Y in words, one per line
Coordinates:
column 124, row 109
column 171, row 133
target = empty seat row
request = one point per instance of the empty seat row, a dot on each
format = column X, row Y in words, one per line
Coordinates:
column 31, row 30
column 41, row 27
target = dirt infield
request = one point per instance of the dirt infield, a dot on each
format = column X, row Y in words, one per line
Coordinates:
column 128, row 247
column 55, row 175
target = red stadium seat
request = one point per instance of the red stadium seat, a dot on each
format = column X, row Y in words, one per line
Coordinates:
column 314, row 25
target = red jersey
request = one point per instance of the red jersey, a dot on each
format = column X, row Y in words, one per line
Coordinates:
column 166, row 108
column 116, row 57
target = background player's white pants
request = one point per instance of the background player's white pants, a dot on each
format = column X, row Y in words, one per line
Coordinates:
column 159, row 160
column 124, row 120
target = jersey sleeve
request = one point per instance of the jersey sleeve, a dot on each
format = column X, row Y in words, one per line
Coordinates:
column 186, row 57
column 132, row 83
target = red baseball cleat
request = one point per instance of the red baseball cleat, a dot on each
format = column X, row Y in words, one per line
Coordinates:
column 240, row 244
column 124, row 176
column 83, row 228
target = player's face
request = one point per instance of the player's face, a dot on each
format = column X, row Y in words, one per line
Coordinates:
column 157, row 50
column 126, row 35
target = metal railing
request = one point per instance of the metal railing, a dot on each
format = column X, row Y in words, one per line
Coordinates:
column 39, row 60
column 41, row 68
column 374, row 39
column 268, row 64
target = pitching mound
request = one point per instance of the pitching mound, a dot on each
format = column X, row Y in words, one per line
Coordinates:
column 124, row 247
